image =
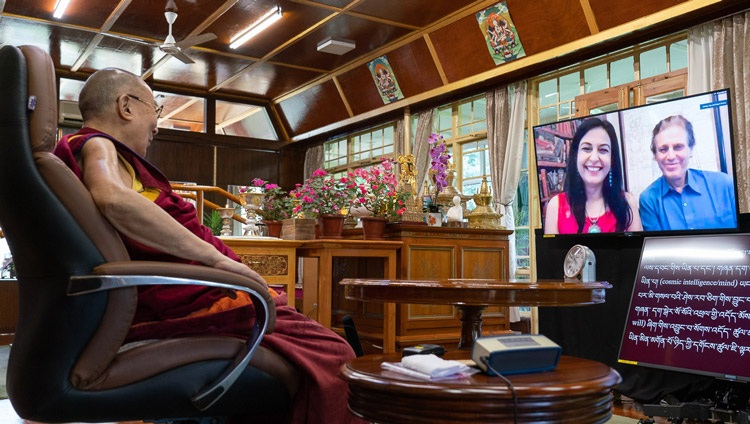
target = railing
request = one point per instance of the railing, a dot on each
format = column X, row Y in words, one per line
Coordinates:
column 197, row 193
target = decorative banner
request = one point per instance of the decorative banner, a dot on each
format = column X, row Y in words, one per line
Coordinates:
column 385, row 80
column 500, row 34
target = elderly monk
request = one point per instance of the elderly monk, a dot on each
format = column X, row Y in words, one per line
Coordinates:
column 120, row 121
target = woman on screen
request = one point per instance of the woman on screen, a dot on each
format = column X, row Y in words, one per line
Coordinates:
column 593, row 200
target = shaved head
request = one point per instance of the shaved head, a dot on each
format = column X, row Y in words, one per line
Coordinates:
column 101, row 90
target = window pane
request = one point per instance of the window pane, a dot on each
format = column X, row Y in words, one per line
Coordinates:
column 472, row 165
column 621, row 71
column 547, row 115
column 653, row 62
column 678, row 55
column 444, row 119
column 570, row 86
column 521, row 203
column 243, row 120
column 595, row 78
column 181, row 112
column 548, row 92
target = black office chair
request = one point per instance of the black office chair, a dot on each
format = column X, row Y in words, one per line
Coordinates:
column 77, row 289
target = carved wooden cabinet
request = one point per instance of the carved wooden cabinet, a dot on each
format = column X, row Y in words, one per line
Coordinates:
column 429, row 253
column 274, row 259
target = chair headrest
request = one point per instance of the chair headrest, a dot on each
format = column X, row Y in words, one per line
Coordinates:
column 42, row 99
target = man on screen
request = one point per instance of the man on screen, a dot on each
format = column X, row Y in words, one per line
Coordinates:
column 682, row 198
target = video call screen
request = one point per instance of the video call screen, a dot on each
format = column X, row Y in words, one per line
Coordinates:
column 706, row 155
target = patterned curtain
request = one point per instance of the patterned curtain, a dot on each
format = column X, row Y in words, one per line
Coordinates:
column 731, row 68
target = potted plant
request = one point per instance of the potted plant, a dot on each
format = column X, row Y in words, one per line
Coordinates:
column 438, row 172
column 324, row 197
column 276, row 206
column 376, row 190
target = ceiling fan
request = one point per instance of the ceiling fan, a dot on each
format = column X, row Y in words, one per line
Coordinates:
column 173, row 48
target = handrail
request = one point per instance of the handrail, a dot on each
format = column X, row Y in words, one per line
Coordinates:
column 200, row 200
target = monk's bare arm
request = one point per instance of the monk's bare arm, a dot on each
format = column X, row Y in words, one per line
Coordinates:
column 140, row 219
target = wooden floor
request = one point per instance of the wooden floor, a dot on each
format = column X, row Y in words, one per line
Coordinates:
column 625, row 408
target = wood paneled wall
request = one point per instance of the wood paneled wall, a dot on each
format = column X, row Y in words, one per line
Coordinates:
column 452, row 56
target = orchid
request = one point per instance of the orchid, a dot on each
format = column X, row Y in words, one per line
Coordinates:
column 438, row 166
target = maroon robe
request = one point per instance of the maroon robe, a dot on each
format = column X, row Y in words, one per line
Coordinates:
column 315, row 350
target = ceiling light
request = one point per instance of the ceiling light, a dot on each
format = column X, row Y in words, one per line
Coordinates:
column 333, row 46
column 254, row 29
column 60, row 7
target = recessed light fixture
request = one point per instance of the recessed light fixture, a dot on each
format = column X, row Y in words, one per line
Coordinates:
column 60, row 7
column 334, row 46
column 264, row 22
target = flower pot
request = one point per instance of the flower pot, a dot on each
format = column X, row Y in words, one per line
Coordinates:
column 298, row 229
column 373, row 227
column 331, row 226
column 433, row 219
column 274, row 228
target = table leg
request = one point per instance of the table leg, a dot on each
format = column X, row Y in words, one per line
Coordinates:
column 471, row 325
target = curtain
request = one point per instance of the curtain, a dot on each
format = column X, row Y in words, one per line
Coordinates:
column 313, row 160
column 421, row 150
column 731, row 68
column 700, row 54
column 506, row 108
column 398, row 139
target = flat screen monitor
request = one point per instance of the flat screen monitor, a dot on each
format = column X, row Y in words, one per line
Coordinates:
column 690, row 307
column 662, row 168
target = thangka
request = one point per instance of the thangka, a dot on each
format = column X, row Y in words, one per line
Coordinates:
column 385, row 80
column 500, row 34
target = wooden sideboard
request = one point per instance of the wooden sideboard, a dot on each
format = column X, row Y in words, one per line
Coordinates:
column 274, row 259
column 430, row 253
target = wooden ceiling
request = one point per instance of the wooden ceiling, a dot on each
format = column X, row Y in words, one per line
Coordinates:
column 435, row 47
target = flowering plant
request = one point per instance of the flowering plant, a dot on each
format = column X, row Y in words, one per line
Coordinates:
column 438, row 167
column 322, row 194
column 277, row 204
column 376, row 190
column 255, row 187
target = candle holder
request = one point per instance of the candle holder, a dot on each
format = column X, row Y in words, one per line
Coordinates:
column 226, row 215
column 252, row 200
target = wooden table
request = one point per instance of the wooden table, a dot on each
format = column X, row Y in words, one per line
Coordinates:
column 577, row 391
column 471, row 296
column 326, row 251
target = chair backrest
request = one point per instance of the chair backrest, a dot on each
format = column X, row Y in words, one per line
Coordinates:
column 54, row 231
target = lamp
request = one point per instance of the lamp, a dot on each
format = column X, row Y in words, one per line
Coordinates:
column 264, row 22
column 333, row 46
column 60, row 7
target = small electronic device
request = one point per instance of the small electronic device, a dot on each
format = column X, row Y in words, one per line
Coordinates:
column 580, row 265
column 515, row 354
column 423, row 349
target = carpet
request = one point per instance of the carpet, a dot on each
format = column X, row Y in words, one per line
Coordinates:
column 4, row 351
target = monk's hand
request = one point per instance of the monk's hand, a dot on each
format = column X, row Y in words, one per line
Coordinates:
column 240, row 268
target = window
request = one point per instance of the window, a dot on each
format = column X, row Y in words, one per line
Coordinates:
column 244, row 120
column 184, row 113
column 358, row 150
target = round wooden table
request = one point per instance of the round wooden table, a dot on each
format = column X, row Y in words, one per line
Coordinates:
column 471, row 296
column 577, row 391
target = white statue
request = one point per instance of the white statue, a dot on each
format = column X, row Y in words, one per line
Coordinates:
column 455, row 212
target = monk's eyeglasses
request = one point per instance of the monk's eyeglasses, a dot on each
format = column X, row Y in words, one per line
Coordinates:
column 158, row 109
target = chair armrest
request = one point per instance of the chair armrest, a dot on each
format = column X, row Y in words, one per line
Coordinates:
column 141, row 273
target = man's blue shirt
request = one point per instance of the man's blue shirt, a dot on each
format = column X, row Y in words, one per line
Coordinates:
column 707, row 201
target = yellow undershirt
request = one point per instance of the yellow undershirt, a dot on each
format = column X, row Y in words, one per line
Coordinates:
column 150, row 193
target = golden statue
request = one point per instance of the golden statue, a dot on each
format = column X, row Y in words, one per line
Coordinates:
column 407, row 183
column 484, row 215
